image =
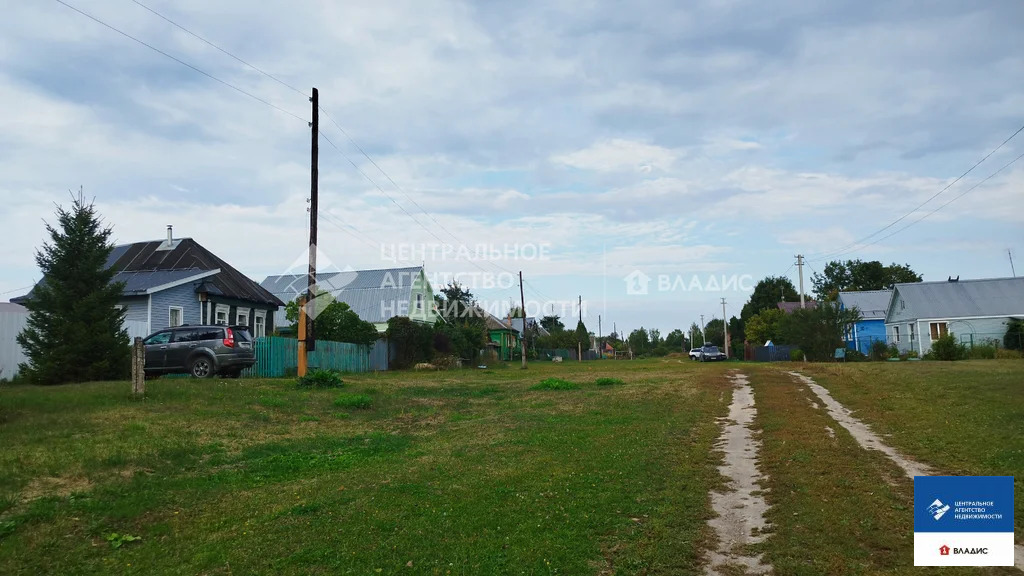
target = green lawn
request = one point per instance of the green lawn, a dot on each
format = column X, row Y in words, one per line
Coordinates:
column 599, row 468
column 468, row 472
column 963, row 418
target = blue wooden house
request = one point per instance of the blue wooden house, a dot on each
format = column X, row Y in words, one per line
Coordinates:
column 177, row 281
column 872, row 305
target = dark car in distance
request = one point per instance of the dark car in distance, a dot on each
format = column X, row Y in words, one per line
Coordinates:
column 711, row 354
column 200, row 351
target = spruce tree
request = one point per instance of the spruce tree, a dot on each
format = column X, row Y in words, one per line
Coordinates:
column 74, row 332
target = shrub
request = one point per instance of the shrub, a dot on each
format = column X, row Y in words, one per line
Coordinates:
column 1004, row 354
column 605, row 381
column 911, row 354
column 357, row 401
column 947, row 348
column 893, row 351
column 317, row 378
column 982, row 352
column 855, row 356
column 879, row 351
column 796, row 355
column 555, row 384
column 1014, row 339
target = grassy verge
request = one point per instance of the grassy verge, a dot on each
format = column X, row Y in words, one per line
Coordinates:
column 963, row 418
column 836, row 509
column 465, row 472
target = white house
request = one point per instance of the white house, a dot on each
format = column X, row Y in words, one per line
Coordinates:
column 974, row 311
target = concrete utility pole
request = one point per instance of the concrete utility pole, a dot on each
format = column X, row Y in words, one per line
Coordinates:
column 307, row 336
column 522, row 303
column 600, row 347
column 725, row 326
column 1010, row 254
column 579, row 345
column 703, row 341
column 800, row 269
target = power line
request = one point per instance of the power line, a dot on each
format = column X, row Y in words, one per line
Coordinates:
column 17, row 290
column 950, row 201
column 340, row 129
column 182, row 62
column 225, row 52
column 822, row 256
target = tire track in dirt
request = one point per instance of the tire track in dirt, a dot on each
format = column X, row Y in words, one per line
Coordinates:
column 870, row 441
column 740, row 507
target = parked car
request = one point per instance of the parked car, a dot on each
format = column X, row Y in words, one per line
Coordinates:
column 201, row 351
column 695, row 353
column 710, row 353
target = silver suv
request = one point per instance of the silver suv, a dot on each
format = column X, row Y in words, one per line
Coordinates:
column 201, row 351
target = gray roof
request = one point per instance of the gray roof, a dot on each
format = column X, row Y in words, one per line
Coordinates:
column 136, row 283
column 12, row 307
column 517, row 323
column 790, row 307
column 375, row 295
column 871, row 303
column 965, row 298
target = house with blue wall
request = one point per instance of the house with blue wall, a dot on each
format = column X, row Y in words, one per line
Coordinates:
column 177, row 281
column 973, row 311
column 872, row 305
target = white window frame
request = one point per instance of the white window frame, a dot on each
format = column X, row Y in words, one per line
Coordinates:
column 181, row 316
column 896, row 333
column 239, row 312
column 910, row 331
column 940, row 328
column 259, row 329
column 226, row 310
column 419, row 302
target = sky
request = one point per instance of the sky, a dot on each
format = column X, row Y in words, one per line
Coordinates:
column 651, row 158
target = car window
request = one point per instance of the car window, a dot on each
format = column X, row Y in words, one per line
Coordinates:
column 189, row 335
column 211, row 334
column 242, row 334
column 159, row 338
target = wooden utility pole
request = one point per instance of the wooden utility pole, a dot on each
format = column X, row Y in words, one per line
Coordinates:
column 579, row 345
column 307, row 333
column 725, row 329
column 800, row 269
column 138, row 368
column 522, row 304
column 301, row 371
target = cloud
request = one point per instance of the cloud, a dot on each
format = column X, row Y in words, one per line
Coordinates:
column 704, row 135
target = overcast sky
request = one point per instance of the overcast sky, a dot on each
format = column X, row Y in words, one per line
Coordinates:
column 699, row 143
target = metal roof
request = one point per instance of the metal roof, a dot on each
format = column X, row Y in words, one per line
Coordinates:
column 147, row 265
column 517, row 323
column 140, row 282
column 964, row 298
column 871, row 303
column 12, row 307
column 375, row 295
column 790, row 307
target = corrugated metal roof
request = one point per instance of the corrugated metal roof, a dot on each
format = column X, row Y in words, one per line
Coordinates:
column 12, row 307
column 375, row 295
column 871, row 303
column 517, row 323
column 494, row 323
column 145, row 265
column 139, row 282
column 965, row 298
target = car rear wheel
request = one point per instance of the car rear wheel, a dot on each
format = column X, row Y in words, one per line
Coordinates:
column 201, row 367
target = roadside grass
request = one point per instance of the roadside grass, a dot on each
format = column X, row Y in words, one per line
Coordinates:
column 835, row 508
column 461, row 472
column 963, row 418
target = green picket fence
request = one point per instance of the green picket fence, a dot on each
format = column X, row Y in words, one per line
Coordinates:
column 277, row 357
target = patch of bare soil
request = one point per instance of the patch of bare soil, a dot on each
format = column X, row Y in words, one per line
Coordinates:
column 740, row 508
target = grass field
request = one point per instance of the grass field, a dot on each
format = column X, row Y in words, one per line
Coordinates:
column 482, row 471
